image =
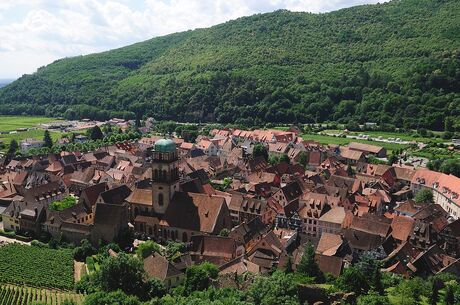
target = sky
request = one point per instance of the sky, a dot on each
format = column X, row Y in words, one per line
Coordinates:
column 34, row 33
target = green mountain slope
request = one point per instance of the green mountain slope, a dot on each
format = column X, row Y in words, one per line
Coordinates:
column 396, row 63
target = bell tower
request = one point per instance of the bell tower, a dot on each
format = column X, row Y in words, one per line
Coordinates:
column 165, row 174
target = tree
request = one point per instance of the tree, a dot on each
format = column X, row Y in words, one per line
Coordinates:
column 377, row 284
column 96, row 133
column 122, row 272
column 198, row 277
column 373, row 299
column 450, row 166
column 352, row 280
column 303, row 159
column 155, row 288
column 288, row 267
column 449, row 124
column 147, row 248
column 259, row 150
column 224, row 232
column 279, row 288
column 111, row 298
column 434, row 295
column 424, row 196
column 284, row 158
column 308, row 265
column 13, row 148
column 273, row 159
column 350, row 171
column 83, row 251
column 449, row 298
column 392, row 159
column 174, row 249
column 47, row 139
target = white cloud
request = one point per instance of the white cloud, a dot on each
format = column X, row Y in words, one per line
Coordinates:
column 36, row 32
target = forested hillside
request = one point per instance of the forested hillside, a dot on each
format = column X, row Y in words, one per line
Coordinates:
column 395, row 63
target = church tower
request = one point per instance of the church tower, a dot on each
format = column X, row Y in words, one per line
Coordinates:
column 165, row 174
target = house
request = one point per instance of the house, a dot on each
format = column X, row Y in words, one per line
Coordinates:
column 185, row 149
column 446, row 189
column 312, row 207
column 110, row 214
column 23, row 217
column 157, row 266
column 278, row 149
column 331, row 221
column 368, row 149
column 214, row 249
column 80, row 138
column 243, row 208
column 29, row 143
column 351, row 157
column 73, row 223
column 208, row 147
column 204, row 214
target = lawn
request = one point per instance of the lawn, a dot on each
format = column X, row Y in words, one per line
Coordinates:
column 324, row 139
column 10, row 123
column 36, row 266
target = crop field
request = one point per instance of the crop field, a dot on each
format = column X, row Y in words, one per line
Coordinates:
column 37, row 267
column 11, row 123
column 22, row 295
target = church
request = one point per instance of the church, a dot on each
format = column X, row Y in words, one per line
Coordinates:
column 164, row 212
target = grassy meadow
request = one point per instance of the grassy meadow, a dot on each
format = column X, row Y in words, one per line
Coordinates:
column 10, row 124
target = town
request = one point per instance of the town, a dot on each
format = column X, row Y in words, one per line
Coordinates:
column 247, row 201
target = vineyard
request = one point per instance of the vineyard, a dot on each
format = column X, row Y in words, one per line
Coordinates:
column 36, row 266
column 21, row 295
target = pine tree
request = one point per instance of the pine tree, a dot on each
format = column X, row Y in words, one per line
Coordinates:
column 13, row 148
column 288, row 267
column 350, row 171
column 449, row 296
column 308, row 265
column 434, row 296
column 96, row 133
column 377, row 280
column 47, row 139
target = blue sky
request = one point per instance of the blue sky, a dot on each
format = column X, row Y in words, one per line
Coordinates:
column 34, row 33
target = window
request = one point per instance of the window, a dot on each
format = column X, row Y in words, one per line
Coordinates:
column 160, row 199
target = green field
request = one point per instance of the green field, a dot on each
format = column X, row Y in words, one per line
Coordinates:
column 11, row 123
column 36, row 266
column 324, row 139
column 36, row 134
column 386, row 135
column 23, row 295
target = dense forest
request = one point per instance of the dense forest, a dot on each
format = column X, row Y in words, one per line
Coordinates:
column 395, row 63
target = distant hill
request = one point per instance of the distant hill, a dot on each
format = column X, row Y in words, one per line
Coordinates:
column 4, row 82
column 395, row 63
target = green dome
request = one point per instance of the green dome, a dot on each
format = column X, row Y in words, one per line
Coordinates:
column 165, row 145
